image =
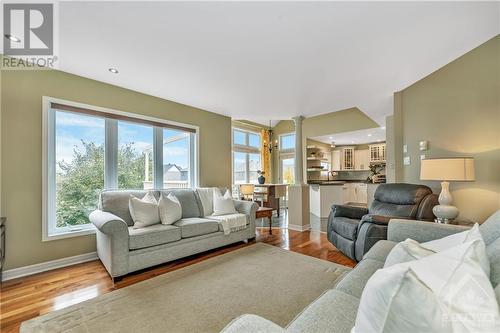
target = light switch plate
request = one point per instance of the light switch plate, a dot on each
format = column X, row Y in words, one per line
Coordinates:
column 422, row 157
column 405, row 148
column 407, row 160
column 423, row 145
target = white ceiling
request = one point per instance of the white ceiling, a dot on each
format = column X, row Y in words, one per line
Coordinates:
column 355, row 137
column 274, row 60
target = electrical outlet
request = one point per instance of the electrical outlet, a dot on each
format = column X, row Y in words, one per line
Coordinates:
column 407, row 160
column 405, row 148
column 422, row 157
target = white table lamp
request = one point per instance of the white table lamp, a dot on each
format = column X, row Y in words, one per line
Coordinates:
column 446, row 170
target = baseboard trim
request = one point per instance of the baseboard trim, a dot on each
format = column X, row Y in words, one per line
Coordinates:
column 47, row 266
column 297, row 227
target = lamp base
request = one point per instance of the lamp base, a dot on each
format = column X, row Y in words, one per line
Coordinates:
column 445, row 213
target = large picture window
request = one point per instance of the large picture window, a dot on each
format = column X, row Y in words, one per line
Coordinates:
column 246, row 156
column 89, row 149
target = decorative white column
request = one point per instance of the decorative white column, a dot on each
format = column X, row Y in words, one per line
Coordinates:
column 298, row 194
column 299, row 166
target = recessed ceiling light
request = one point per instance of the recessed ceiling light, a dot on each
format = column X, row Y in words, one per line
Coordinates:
column 113, row 70
column 383, row 127
column 369, row 134
column 352, row 141
column 331, row 137
column 12, row 38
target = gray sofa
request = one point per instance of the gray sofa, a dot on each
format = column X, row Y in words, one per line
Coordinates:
column 335, row 311
column 123, row 249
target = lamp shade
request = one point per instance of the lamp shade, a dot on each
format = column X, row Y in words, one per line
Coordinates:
column 448, row 169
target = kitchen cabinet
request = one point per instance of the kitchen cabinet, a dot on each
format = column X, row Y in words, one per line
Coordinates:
column 355, row 192
column 347, row 158
column 322, row 197
column 377, row 152
column 336, row 160
column 361, row 159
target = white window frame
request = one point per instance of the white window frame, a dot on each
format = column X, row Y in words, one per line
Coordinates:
column 246, row 149
column 284, row 154
column 110, row 173
column 287, row 150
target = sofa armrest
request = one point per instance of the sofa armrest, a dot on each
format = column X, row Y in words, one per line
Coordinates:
column 108, row 223
column 421, row 231
column 246, row 207
column 252, row 324
column 349, row 211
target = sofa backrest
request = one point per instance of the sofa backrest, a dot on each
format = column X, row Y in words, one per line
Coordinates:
column 401, row 200
column 490, row 230
column 116, row 202
column 189, row 200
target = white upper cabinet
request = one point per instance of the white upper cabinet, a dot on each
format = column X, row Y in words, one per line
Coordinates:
column 347, row 158
column 377, row 152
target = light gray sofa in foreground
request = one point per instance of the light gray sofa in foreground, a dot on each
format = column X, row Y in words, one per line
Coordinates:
column 335, row 311
column 123, row 249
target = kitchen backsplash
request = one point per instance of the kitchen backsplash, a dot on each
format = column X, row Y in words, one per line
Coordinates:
column 353, row 175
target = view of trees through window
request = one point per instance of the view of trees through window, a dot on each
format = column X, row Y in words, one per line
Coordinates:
column 80, row 169
column 79, row 166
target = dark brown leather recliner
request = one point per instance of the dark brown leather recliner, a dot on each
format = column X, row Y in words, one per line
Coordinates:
column 354, row 230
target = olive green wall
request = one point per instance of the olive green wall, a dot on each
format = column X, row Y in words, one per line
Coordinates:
column 456, row 109
column 21, row 155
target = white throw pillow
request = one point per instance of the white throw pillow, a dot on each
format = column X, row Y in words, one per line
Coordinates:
column 206, row 195
column 223, row 205
column 444, row 292
column 169, row 208
column 412, row 250
column 405, row 251
column 144, row 211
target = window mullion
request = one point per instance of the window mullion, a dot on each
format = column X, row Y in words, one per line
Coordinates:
column 193, row 181
column 247, row 168
column 111, row 154
column 158, row 157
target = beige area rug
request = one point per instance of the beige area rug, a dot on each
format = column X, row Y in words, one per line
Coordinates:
column 260, row 279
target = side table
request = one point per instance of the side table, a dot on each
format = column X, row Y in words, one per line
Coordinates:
column 265, row 212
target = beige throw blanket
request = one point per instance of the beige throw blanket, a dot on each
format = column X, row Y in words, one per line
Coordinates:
column 231, row 222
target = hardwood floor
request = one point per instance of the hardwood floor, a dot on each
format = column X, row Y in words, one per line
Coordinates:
column 28, row 297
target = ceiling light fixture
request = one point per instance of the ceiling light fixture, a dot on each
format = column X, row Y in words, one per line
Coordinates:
column 12, row 38
column 369, row 134
column 113, row 70
column 270, row 146
column 383, row 127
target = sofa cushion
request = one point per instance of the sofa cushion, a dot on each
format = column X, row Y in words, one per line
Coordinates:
column 116, row 202
column 252, row 324
column 152, row 235
column 493, row 252
column 189, row 200
column 196, row 226
column 346, row 227
column 333, row 312
column 354, row 282
column 380, row 250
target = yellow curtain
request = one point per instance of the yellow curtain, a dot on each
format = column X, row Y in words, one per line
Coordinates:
column 265, row 157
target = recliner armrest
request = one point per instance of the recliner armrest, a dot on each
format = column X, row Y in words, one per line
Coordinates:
column 421, row 231
column 349, row 211
column 108, row 223
column 378, row 219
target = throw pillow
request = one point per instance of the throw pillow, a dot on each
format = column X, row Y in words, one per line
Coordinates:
column 144, row 211
column 412, row 250
column 223, row 205
column 206, row 195
column 169, row 208
column 444, row 292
